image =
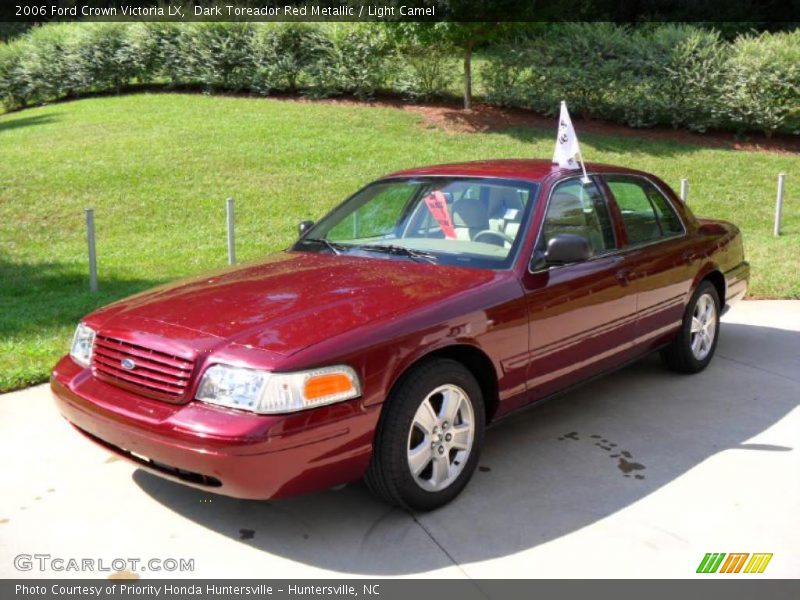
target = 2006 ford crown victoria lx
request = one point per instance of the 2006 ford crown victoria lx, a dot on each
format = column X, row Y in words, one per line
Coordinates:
column 430, row 303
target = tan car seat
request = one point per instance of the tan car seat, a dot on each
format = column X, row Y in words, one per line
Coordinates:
column 470, row 216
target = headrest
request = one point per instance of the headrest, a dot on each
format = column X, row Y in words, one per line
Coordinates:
column 502, row 198
column 470, row 213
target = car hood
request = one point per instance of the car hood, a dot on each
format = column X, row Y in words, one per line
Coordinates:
column 291, row 300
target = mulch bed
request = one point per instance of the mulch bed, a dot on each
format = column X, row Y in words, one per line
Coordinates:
column 449, row 116
column 482, row 118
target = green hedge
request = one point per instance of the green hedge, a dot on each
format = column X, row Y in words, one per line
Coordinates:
column 677, row 75
column 762, row 90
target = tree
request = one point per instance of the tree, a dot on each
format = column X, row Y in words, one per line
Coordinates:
column 461, row 37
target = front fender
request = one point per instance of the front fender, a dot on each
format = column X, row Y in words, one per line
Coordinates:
column 421, row 353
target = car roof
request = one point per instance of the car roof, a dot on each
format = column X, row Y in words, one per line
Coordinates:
column 527, row 169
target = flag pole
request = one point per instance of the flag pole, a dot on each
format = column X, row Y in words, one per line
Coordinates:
column 585, row 178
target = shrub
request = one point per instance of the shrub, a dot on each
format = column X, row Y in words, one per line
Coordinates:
column 165, row 54
column 49, row 64
column 691, row 80
column 103, row 58
column 143, row 51
column 582, row 63
column 509, row 64
column 427, row 72
column 677, row 75
column 217, row 55
column 674, row 78
column 358, row 62
column 592, row 69
column 286, row 54
column 762, row 86
column 13, row 90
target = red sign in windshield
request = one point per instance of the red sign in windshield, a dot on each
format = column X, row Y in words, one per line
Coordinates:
column 437, row 204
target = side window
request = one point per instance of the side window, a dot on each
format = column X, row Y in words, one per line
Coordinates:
column 645, row 212
column 580, row 210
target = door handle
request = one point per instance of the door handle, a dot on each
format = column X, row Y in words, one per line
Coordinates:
column 624, row 276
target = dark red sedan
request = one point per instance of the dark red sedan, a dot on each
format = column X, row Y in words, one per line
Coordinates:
column 380, row 345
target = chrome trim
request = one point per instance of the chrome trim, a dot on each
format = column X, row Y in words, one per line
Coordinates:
column 627, row 249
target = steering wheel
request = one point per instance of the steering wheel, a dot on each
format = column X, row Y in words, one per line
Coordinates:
column 498, row 235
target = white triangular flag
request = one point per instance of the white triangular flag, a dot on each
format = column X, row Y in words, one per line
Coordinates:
column 567, row 147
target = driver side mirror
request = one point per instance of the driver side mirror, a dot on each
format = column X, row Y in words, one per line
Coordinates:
column 303, row 227
column 567, row 248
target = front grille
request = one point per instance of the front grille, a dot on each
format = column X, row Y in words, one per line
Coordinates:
column 156, row 374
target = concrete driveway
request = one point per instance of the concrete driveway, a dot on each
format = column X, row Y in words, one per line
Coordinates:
column 636, row 475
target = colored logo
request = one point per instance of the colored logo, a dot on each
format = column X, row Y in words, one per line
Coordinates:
column 719, row 562
column 128, row 364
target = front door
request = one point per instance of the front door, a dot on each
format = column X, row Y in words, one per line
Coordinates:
column 581, row 315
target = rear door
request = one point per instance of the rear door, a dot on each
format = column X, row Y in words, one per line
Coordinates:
column 580, row 314
column 657, row 256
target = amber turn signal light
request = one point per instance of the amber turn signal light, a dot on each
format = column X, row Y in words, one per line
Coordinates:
column 328, row 384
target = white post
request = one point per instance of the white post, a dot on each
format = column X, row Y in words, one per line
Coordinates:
column 684, row 189
column 776, row 230
column 92, row 252
column 231, row 241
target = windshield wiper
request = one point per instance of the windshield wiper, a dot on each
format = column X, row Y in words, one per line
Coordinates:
column 399, row 251
column 332, row 246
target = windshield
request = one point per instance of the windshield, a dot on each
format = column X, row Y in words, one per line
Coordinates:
column 474, row 222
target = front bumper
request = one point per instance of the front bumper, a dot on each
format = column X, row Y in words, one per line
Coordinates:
column 217, row 449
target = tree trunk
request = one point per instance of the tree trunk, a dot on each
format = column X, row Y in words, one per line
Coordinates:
column 468, row 77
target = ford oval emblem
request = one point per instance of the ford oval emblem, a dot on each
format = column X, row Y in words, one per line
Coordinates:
column 128, row 364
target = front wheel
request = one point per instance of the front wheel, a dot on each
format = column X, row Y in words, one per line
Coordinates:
column 693, row 348
column 429, row 437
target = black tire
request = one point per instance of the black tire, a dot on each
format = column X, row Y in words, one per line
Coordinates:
column 389, row 476
column 679, row 356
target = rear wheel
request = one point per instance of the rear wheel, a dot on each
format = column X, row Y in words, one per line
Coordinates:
column 429, row 437
column 693, row 348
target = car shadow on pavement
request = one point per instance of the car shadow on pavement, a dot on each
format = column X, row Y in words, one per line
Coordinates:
column 545, row 473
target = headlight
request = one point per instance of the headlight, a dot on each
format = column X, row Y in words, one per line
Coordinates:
column 82, row 343
column 266, row 393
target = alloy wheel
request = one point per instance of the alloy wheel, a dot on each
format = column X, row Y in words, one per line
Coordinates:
column 440, row 438
column 704, row 326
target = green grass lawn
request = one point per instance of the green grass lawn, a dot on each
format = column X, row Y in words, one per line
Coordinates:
column 157, row 170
